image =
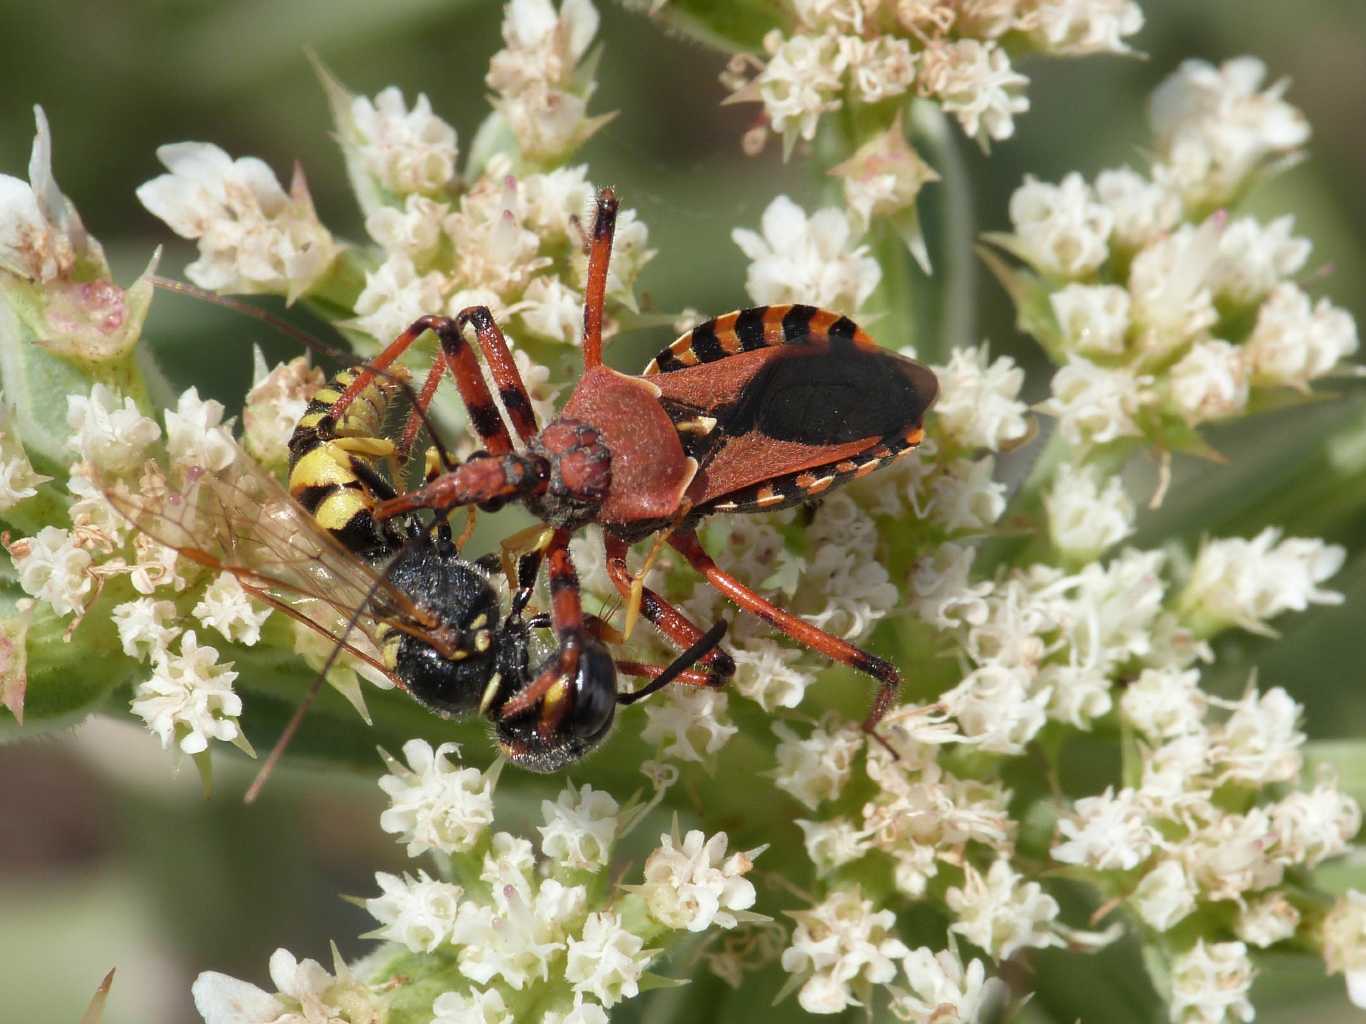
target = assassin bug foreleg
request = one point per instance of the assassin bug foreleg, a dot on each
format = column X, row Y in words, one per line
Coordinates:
column 756, row 410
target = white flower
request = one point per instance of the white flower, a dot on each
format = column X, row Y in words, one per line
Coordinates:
column 434, row 805
column 1164, row 703
column 1105, row 833
column 878, row 68
column 276, row 402
column 974, row 81
column 842, row 944
column 553, row 310
column 41, row 235
column 979, row 404
column 189, row 698
column 53, row 569
column 694, row 885
column 514, row 939
column 965, row 497
column 1060, row 230
column 802, row 79
column 688, row 723
column 142, row 626
column 807, row 259
column 941, row 991
column 1260, row 742
column 1093, row 318
column 1293, row 343
column 414, row 229
column 1083, row 518
column 1096, row 404
column 1143, row 210
column 394, row 296
column 1209, row 382
column 769, row 673
column 1210, row 984
column 114, row 438
column 1344, row 943
column 581, row 1013
column 607, row 961
column 253, row 236
column 1002, row 913
column 417, row 913
column 307, row 995
column 195, row 436
column 883, row 178
column 1233, row 855
column 941, row 593
column 1254, row 258
column 1247, row 582
column 535, row 75
column 478, row 1007
column 1267, row 921
column 816, row 768
column 1174, row 780
column 1171, row 300
column 18, row 481
column 508, row 868
column 1077, row 27
column 1311, row 827
column 1164, row 895
column 996, row 709
column 579, row 828
column 226, row 607
column 406, row 150
column 834, row 843
column 1214, row 129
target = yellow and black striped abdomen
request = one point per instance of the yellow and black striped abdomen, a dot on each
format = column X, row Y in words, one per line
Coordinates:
column 334, row 463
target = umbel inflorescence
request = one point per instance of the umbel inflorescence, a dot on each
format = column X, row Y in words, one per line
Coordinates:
column 898, row 877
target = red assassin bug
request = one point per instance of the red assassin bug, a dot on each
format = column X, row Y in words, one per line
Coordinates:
column 756, row 410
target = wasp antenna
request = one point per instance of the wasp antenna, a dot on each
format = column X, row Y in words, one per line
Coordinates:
column 277, row 752
column 265, row 316
column 309, row 341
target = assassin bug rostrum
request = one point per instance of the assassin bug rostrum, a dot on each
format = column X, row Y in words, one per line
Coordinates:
column 759, row 409
column 395, row 593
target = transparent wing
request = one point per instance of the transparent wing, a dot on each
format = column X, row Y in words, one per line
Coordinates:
column 241, row 521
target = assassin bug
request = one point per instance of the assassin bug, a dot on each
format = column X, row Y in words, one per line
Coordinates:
column 397, row 593
column 759, row 409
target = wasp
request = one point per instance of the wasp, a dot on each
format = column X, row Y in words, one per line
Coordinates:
column 397, row 593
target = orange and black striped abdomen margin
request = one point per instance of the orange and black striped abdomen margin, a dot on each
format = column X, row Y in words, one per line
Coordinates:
column 761, row 327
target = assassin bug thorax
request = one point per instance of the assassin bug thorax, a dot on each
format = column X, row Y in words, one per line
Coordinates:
column 756, row 410
column 396, row 593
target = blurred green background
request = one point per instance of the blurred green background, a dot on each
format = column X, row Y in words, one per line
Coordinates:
column 105, row 859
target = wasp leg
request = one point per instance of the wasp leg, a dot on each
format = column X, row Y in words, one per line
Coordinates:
column 803, row 632
column 666, row 618
column 595, row 295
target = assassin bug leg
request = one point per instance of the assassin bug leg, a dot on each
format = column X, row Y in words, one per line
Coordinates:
column 666, row 618
column 595, row 295
column 803, row 632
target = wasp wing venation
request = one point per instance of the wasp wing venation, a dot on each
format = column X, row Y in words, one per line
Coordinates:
column 242, row 522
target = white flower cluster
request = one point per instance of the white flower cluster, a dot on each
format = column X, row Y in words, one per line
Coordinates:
column 253, row 235
column 542, row 89
column 18, row 481
column 1166, row 316
column 867, row 51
